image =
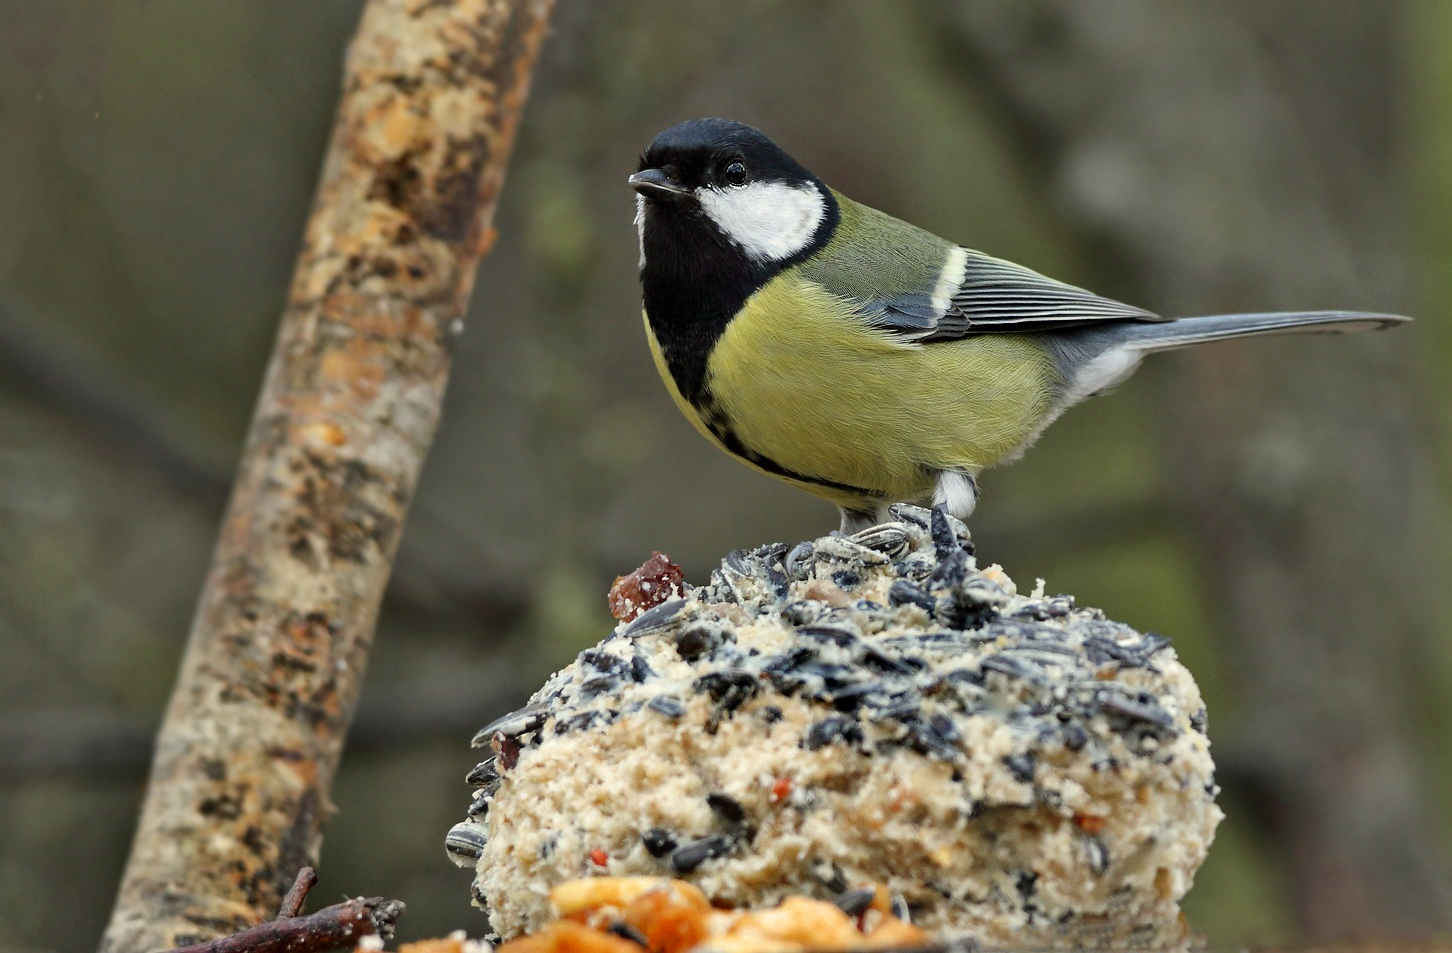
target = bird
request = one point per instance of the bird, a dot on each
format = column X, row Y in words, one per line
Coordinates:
column 857, row 356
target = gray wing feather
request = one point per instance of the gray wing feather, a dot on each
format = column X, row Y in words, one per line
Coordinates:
column 996, row 296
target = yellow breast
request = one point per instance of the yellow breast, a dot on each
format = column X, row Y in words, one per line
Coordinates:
column 804, row 383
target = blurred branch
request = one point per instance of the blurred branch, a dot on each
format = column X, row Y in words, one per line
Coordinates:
column 246, row 757
column 1280, row 189
column 108, row 744
column 60, row 376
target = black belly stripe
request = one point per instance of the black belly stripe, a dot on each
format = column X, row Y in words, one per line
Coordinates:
column 716, row 421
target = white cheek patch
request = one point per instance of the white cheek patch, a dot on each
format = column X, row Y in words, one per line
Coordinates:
column 769, row 220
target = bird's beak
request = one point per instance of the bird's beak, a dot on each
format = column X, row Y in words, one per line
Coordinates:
column 657, row 184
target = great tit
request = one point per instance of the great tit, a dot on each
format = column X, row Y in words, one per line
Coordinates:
column 857, row 356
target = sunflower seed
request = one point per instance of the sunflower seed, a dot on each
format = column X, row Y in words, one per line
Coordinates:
column 465, row 843
column 687, row 858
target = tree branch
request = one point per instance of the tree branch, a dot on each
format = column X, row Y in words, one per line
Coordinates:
column 245, row 760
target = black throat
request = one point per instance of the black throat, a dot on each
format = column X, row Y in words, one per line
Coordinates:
column 695, row 280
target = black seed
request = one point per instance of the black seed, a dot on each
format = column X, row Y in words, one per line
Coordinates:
column 1152, row 643
column 790, row 661
column 829, row 634
column 945, row 541
column 728, row 688
column 855, row 902
column 831, row 674
column 576, row 722
column 933, row 639
column 1125, row 712
column 482, row 773
column 736, row 562
column 925, row 739
column 830, row 730
column 477, row 894
column 910, row 513
column 658, row 841
column 640, row 669
column 726, row 807
column 968, row 675
column 624, row 930
column 784, row 682
column 1012, row 667
column 846, row 578
column 946, row 728
column 830, row 876
column 1200, row 720
column 800, row 612
column 654, row 619
column 480, row 804
column 798, row 563
column 466, row 841
column 687, row 858
column 1026, row 884
column 1021, row 766
column 884, row 538
column 666, row 705
column 511, row 725
column 597, row 685
column 605, row 663
column 901, row 711
column 883, row 664
column 1075, row 737
column 698, row 639
column 770, row 714
column 1103, row 646
column 852, row 697
column 547, row 849
column 771, row 559
column 905, row 593
column 957, row 614
column 1047, row 652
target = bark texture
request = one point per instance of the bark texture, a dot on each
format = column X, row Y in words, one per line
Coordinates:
column 245, row 760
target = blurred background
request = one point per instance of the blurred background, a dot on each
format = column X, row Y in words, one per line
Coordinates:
column 1279, row 508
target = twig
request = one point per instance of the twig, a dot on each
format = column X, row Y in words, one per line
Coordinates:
column 307, row 878
column 331, row 928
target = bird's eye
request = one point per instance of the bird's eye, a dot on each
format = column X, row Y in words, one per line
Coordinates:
column 735, row 173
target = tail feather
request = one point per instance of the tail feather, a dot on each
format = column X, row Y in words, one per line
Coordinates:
column 1183, row 332
column 1094, row 358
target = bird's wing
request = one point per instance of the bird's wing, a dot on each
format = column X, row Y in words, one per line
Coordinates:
column 993, row 296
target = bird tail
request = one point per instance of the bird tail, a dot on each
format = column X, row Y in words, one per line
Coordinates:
column 1149, row 337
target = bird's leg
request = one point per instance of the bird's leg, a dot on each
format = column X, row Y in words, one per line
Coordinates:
column 957, row 492
column 855, row 521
